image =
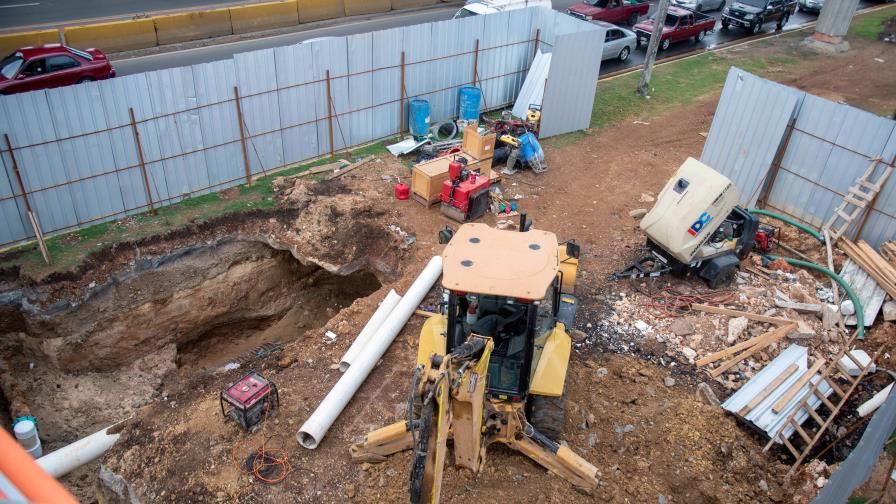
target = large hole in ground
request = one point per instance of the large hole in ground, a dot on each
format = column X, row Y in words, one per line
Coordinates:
column 95, row 363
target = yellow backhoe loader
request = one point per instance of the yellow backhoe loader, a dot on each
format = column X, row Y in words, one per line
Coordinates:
column 491, row 368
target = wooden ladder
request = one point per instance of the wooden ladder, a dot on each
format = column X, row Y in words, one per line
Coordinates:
column 859, row 196
column 814, row 390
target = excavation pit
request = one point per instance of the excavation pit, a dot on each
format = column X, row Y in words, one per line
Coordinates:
column 147, row 333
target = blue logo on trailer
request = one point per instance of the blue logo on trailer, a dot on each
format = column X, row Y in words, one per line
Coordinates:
column 698, row 224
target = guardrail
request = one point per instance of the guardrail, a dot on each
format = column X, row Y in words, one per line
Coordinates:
column 127, row 35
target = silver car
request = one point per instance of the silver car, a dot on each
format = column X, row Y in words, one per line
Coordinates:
column 618, row 43
column 700, row 5
column 811, row 5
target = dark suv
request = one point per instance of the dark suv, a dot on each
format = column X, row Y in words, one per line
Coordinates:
column 752, row 14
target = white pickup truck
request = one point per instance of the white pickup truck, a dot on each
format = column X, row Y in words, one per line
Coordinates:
column 477, row 7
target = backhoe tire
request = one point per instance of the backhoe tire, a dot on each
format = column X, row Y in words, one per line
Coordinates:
column 548, row 414
column 421, row 454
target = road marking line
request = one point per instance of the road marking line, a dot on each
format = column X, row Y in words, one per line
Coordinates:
column 19, row 5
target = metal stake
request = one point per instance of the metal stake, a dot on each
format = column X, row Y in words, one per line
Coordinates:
column 239, row 117
column 330, row 117
column 35, row 225
column 152, row 208
column 401, row 117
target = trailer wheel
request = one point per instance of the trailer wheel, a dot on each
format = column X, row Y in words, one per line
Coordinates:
column 548, row 414
column 723, row 278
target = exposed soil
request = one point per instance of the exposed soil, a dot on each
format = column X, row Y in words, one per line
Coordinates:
column 336, row 236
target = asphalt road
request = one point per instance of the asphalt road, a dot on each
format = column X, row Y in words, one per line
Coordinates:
column 21, row 13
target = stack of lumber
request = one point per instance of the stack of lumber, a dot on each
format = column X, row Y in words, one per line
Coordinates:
column 869, row 260
column 744, row 349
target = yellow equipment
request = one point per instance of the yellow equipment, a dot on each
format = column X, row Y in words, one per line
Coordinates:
column 498, row 375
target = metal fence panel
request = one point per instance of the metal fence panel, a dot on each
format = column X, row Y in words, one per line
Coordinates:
column 256, row 77
column 747, row 130
column 78, row 152
column 116, row 97
column 831, row 145
column 358, row 123
column 13, row 220
column 297, row 113
column 572, row 81
column 180, row 137
column 87, row 157
column 829, row 148
column 387, row 47
column 51, row 200
column 218, row 122
column 881, row 223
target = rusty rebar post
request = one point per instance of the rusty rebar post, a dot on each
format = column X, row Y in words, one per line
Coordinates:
column 330, row 117
column 139, row 146
column 537, row 42
column 239, row 118
column 476, row 63
column 401, row 113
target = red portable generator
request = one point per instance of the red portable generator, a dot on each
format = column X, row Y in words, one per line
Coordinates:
column 465, row 194
column 249, row 400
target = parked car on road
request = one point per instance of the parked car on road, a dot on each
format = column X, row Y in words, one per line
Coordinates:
column 477, row 7
column 752, row 14
column 700, row 5
column 618, row 42
column 681, row 24
column 52, row 65
column 611, row 11
column 811, row 5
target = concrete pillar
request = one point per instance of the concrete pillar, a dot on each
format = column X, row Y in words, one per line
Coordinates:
column 834, row 20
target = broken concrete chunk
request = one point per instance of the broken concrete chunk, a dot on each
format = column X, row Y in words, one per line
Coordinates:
column 799, row 295
column 889, row 310
column 736, row 328
column 813, row 308
column 642, row 326
column 830, row 315
column 705, row 394
column 847, row 308
column 682, row 327
column 690, row 353
column 802, row 331
column 849, row 366
column 638, row 213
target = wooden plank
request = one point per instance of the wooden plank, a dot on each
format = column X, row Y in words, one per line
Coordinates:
column 872, row 265
column 792, row 391
column 335, row 165
column 770, row 337
column 800, row 430
column 351, row 167
column 771, row 387
column 736, row 313
column 733, row 349
column 426, row 314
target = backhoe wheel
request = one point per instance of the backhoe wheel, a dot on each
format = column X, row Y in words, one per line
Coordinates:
column 420, row 487
column 548, row 414
column 723, row 279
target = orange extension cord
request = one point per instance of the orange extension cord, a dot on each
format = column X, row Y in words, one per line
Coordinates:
column 671, row 302
column 264, row 460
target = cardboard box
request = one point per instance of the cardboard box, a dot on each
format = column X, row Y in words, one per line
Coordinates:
column 428, row 176
column 480, row 146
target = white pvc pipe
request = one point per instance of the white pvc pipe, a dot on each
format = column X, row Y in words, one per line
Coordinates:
column 868, row 407
column 68, row 458
column 315, row 428
column 379, row 316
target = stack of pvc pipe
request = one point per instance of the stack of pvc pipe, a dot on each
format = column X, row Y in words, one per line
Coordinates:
column 379, row 316
column 315, row 428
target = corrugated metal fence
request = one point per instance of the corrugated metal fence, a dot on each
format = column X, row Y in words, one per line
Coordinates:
column 100, row 151
column 798, row 154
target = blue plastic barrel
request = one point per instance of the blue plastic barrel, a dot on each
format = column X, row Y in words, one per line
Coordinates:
column 469, row 103
column 419, row 118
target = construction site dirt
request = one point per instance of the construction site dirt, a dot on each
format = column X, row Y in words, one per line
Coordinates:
column 324, row 258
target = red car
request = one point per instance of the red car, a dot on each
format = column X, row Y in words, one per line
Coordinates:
column 51, row 65
column 611, row 11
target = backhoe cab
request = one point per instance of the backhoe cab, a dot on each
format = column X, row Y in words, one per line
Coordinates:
column 492, row 366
